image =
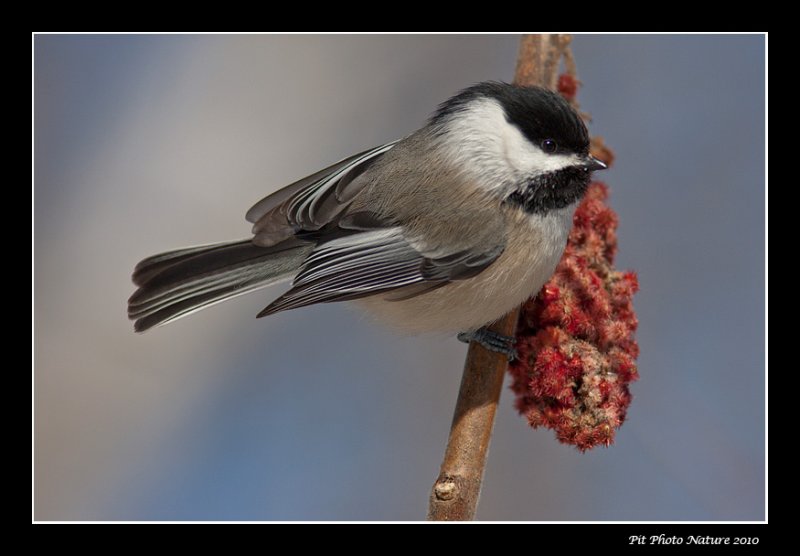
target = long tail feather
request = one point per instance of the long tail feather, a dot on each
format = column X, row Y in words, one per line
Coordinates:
column 177, row 283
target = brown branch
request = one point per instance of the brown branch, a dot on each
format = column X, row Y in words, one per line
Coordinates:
column 457, row 489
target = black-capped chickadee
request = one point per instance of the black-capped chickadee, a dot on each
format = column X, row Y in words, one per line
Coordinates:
column 445, row 230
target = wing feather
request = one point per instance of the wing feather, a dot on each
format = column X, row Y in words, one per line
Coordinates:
column 277, row 198
column 313, row 202
column 374, row 261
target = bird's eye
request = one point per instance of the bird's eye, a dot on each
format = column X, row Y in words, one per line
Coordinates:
column 549, row 146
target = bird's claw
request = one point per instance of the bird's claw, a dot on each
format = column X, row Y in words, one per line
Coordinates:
column 493, row 341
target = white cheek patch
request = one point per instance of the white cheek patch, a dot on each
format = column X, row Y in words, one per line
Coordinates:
column 487, row 146
column 529, row 159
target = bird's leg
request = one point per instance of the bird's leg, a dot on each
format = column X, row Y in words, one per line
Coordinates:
column 492, row 341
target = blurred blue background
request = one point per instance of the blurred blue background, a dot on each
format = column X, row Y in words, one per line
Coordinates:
column 145, row 143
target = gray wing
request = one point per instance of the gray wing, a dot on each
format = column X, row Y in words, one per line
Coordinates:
column 313, row 202
column 373, row 260
column 358, row 254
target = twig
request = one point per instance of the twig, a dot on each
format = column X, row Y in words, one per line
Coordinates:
column 457, row 489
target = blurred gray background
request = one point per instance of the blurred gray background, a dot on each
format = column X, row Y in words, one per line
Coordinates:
column 145, row 143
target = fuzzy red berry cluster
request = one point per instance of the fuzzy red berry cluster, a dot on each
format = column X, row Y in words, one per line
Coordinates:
column 575, row 339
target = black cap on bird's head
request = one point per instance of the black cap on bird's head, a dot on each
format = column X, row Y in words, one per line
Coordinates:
column 544, row 117
column 546, row 156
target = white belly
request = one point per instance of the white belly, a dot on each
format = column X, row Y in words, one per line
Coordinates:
column 533, row 248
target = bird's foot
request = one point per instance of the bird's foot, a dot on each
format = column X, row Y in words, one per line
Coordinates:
column 493, row 341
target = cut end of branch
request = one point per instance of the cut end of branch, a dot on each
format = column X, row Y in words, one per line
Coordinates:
column 445, row 488
column 452, row 498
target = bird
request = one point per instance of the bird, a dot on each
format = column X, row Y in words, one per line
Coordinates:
column 445, row 230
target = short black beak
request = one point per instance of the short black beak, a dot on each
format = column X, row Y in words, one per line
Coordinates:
column 591, row 164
